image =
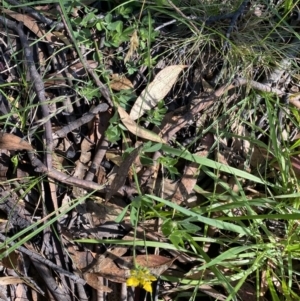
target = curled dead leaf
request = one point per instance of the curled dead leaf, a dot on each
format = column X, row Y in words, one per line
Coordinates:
column 13, row 142
column 119, row 82
column 156, row 90
column 137, row 130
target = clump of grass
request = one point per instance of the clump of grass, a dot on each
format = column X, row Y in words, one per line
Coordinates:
column 244, row 229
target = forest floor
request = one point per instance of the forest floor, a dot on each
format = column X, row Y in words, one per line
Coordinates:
column 149, row 150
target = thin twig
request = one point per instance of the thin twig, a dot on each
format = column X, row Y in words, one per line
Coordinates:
column 103, row 89
column 61, row 177
column 184, row 16
column 234, row 18
column 50, row 264
column 39, row 88
column 37, row 15
column 63, row 132
column 52, row 285
column 37, row 84
column 102, row 146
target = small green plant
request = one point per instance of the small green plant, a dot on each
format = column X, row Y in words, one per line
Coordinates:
column 169, row 163
column 115, row 128
column 88, row 91
column 15, row 161
column 156, row 115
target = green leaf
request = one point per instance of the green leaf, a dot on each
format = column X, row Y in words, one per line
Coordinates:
column 116, row 26
column 146, row 161
column 113, row 133
column 184, row 153
column 176, row 238
column 133, row 215
column 99, row 25
column 108, row 18
column 190, row 227
column 168, row 227
column 152, row 148
column 120, row 217
column 208, row 221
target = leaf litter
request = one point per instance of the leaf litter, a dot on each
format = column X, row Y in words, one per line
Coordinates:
column 62, row 189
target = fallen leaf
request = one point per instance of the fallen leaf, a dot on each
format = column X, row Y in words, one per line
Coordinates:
column 101, row 213
column 13, row 142
column 155, row 263
column 78, row 68
column 191, row 170
column 137, row 130
column 81, row 259
column 31, row 24
column 93, row 280
column 119, row 82
column 119, row 269
column 114, row 157
column 10, row 261
column 122, row 173
column 156, row 90
column 62, row 36
column 113, row 273
column 10, row 280
column 54, row 80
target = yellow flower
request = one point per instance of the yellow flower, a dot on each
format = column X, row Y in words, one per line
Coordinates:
column 147, row 286
column 141, row 277
column 132, row 281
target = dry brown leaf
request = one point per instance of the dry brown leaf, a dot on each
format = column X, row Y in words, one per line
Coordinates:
column 13, row 142
column 122, row 173
column 156, row 91
column 11, row 261
column 101, row 213
column 155, row 263
column 54, row 80
column 78, row 68
column 94, row 282
column 119, row 272
column 31, row 24
column 119, row 82
column 191, row 170
column 134, row 44
column 62, row 36
column 114, row 157
column 113, row 273
column 165, row 188
column 10, row 280
column 81, row 259
column 137, row 130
